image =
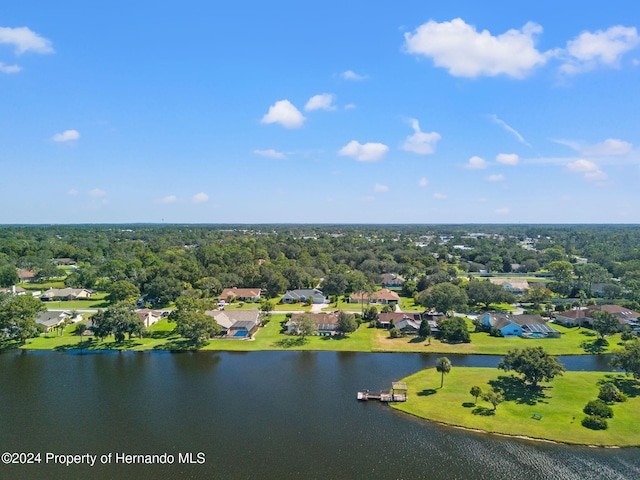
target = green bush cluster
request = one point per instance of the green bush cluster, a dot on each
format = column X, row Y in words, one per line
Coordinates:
column 595, row 422
column 598, row 408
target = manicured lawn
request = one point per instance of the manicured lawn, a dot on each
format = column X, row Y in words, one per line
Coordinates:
column 408, row 305
column 42, row 286
column 574, row 341
column 560, row 404
column 98, row 300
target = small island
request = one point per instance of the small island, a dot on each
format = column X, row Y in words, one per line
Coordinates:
column 548, row 411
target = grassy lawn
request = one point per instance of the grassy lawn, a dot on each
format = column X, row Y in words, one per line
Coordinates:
column 560, row 403
column 97, row 301
column 42, row 286
column 407, row 305
column 574, row 341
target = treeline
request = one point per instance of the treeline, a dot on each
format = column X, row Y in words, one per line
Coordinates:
column 163, row 262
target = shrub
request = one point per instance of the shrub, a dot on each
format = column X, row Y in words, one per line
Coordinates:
column 495, row 332
column 610, row 393
column 627, row 335
column 598, row 408
column 394, row 332
column 594, row 422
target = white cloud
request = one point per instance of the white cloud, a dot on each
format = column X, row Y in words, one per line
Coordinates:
column 350, row 106
column 25, row 40
column 509, row 129
column 423, row 182
column 66, row 136
column 507, row 158
column 323, row 101
column 590, row 50
column 590, row 169
column 495, row 178
column 502, row 211
column 351, row 75
column 9, row 68
column 168, row 199
column 367, row 152
column 609, row 147
column 439, row 196
column 73, row 192
column 380, row 188
column 270, row 153
column 420, row 142
column 96, row 193
column 200, row 197
column 465, row 52
column 284, row 113
column 476, row 163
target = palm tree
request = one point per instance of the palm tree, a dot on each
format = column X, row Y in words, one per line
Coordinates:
column 443, row 365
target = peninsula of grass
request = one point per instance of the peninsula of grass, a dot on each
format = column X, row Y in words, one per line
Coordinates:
column 552, row 411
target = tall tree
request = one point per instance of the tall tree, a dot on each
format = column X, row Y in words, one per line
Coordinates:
column 444, row 297
column 604, row 323
column 18, row 316
column 305, row 326
column 443, row 365
column 425, row 329
column 123, row 290
column 486, row 293
column 8, row 276
column 628, row 359
column 346, row 323
column 533, row 363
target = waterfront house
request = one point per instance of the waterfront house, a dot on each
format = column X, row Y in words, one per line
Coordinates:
column 236, row 323
column 148, row 316
column 326, row 323
column 574, row 318
column 528, row 326
column 52, row 319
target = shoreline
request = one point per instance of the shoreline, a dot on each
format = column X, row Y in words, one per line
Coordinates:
column 508, row 435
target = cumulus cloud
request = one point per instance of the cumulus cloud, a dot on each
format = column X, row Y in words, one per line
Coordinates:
column 24, row 40
column 367, row 152
column 423, row 182
column 602, row 48
column 96, row 193
column 351, row 75
column 502, row 211
column 507, row 158
column 270, row 153
column 439, row 196
column 476, row 163
column 9, row 68
column 465, row 52
column 324, row 101
column 420, row 142
column 498, row 177
column 66, row 136
column 590, row 170
column 610, row 147
column 168, row 199
column 284, row 113
column 380, row 188
column 200, row 197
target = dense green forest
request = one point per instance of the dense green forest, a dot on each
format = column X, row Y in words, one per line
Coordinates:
column 164, row 262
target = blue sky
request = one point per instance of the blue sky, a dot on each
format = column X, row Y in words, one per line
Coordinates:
column 315, row 112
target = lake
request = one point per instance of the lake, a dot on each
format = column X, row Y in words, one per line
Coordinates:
column 259, row 415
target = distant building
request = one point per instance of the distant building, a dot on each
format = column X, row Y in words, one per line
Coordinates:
column 517, row 286
column 391, row 280
column 384, row 296
column 528, row 326
column 241, row 294
column 303, row 295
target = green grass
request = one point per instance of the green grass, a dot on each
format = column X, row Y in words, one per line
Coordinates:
column 574, row 341
column 42, row 286
column 97, row 300
column 560, row 403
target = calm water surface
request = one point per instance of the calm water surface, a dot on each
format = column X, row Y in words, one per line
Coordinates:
column 260, row 415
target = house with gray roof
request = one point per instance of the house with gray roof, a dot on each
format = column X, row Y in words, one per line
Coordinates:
column 303, row 295
column 527, row 326
column 235, row 321
column 52, row 319
column 65, row 294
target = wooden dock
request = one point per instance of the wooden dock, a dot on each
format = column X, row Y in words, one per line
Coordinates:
column 386, row 397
